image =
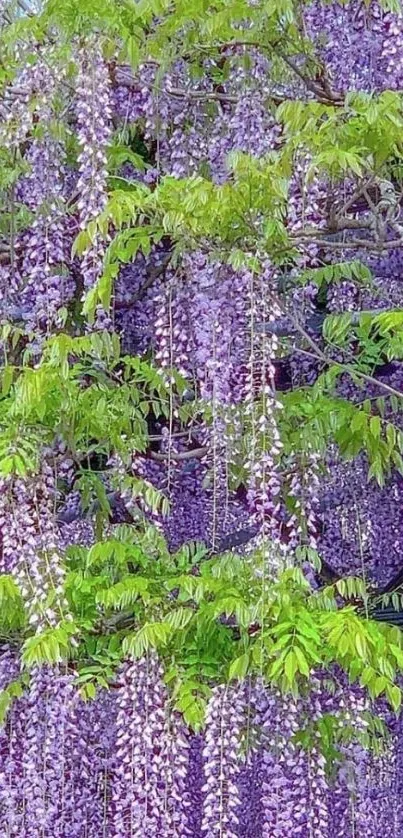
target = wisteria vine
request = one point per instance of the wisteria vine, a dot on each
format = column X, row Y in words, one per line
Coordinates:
column 201, row 444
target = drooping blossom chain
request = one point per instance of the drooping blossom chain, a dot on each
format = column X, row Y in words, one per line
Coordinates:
column 224, row 724
column 93, row 109
column 31, row 551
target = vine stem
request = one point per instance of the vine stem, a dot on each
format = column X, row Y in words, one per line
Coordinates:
column 317, row 353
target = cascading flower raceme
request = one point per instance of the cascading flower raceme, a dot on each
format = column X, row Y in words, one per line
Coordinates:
column 262, row 408
column 55, row 750
column 30, row 83
column 34, row 290
column 151, row 758
column 31, row 549
column 93, row 109
column 224, row 723
column 46, row 787
column 12, row 739
column 121, row 765
column 285, row 781
column 93, row 763
column 47, row 282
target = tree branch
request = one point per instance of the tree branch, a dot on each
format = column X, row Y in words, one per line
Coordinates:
column 324, row 96
column 282, row 328
column 152, row 275
column 180, row 455
column 352, row 244
column 25, row 7
column 356, row 194
column 329, row 362
column 124, row 77
column 178, row 435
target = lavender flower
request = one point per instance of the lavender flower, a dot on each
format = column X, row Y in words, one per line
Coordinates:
column 224, row 723
column 93, row 108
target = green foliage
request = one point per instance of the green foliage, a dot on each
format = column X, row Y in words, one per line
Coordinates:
column 119, row 154
column 85, row 392
column 222, row 619
column 335, row 273
column 12, row 616
column 14, row 690
column 334, row 730
column 350, row 140
column 105, row 658
column 50, row 646
column 129, row 596
column 312, row 418
column 377, row 335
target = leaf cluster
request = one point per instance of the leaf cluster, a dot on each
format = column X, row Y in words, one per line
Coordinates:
column 222, row 619
column 82, row 391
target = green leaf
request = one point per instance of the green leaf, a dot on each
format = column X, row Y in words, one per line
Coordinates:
column 301, row 661
column 291, row 667
column 133, row 52
column 180, row 618
column 379, row 685
column 375, row 426
column 239, row 667
column 361, row 646
column 7, row 379
column 149, row 636
column 81, row 243
column 394, row 695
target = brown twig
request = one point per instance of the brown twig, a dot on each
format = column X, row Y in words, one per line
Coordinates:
column 356, row 194
column 325, row 96
column 178, row 435
column 127, row 79
column 180, row 455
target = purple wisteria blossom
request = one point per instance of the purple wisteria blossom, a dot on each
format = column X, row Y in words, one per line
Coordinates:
column 224, row 725
column 31, row 550
column 149, row 796
column 93, row 109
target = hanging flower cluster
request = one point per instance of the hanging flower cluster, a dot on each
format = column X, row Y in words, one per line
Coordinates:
column 224, row 727
column 35, row 288
column 47, row 284
column 31, row 551
column 17, row 115
column 262, row 407
column 12, row 742
column 93, row 109
column 285, row 783
column 151, row 758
